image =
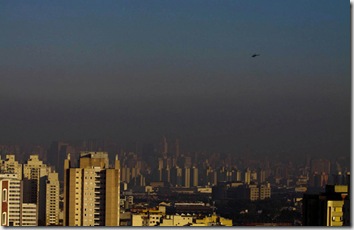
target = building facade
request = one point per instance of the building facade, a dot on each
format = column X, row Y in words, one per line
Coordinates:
column 92, row 191
column 52, row 199
column 13, row 211
column 11, row 166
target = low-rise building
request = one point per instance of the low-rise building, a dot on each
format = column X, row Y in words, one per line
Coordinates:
column 158, row 217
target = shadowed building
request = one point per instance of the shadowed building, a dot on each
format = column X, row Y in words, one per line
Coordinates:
column 35, row 173
column 325, row 209
column 56, row 155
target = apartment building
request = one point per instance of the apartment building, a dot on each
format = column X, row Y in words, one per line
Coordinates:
column 11, row 166
column 92, row 191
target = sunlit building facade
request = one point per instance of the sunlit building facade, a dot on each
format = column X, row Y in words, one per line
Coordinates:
column 92, row 191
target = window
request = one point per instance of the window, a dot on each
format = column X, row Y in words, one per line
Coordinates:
column 3, row 218
column 4, row 195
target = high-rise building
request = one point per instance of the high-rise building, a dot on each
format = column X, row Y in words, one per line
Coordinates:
column 10, row 201
column 187, row 177
column 238, row 175
column 188, row 162
column 35, row 168
column 320, row 166
column 247, row 176
column 34, row 171
column 194, row 177
column 164, row 147
column 52, row 199
column 190, row 177
column 92, row 191
column 11, row 166
column 179, row 178
column 13, row 211
column 56, row 155
column 177, row 148
column 319, row 172
column 261, row 176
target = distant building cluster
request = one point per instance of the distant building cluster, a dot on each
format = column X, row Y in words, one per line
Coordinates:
column 162, row 185
column 241, row 191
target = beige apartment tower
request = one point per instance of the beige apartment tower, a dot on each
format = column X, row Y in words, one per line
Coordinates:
column 92, row 191
column 52, row 199
column 11, row 166
column 34, row 184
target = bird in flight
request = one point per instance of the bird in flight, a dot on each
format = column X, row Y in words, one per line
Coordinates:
column 255, row 55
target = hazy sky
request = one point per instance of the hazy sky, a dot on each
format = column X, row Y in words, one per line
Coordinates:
column 140, row 69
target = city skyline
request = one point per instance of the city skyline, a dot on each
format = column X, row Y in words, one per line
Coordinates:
column 171, row 188
column 135, row 71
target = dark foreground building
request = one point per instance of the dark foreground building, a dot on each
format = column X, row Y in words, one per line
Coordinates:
column 327, row 209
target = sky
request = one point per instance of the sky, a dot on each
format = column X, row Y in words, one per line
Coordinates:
column 138, row 70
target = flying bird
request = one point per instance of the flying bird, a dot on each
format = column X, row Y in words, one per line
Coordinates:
column 255, row 55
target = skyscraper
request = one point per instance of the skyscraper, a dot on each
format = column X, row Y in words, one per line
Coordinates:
column 34, row 172
column 164, row 147
column 56, row 154
column 177, row 149
column 92, row 191
column 52, row 199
